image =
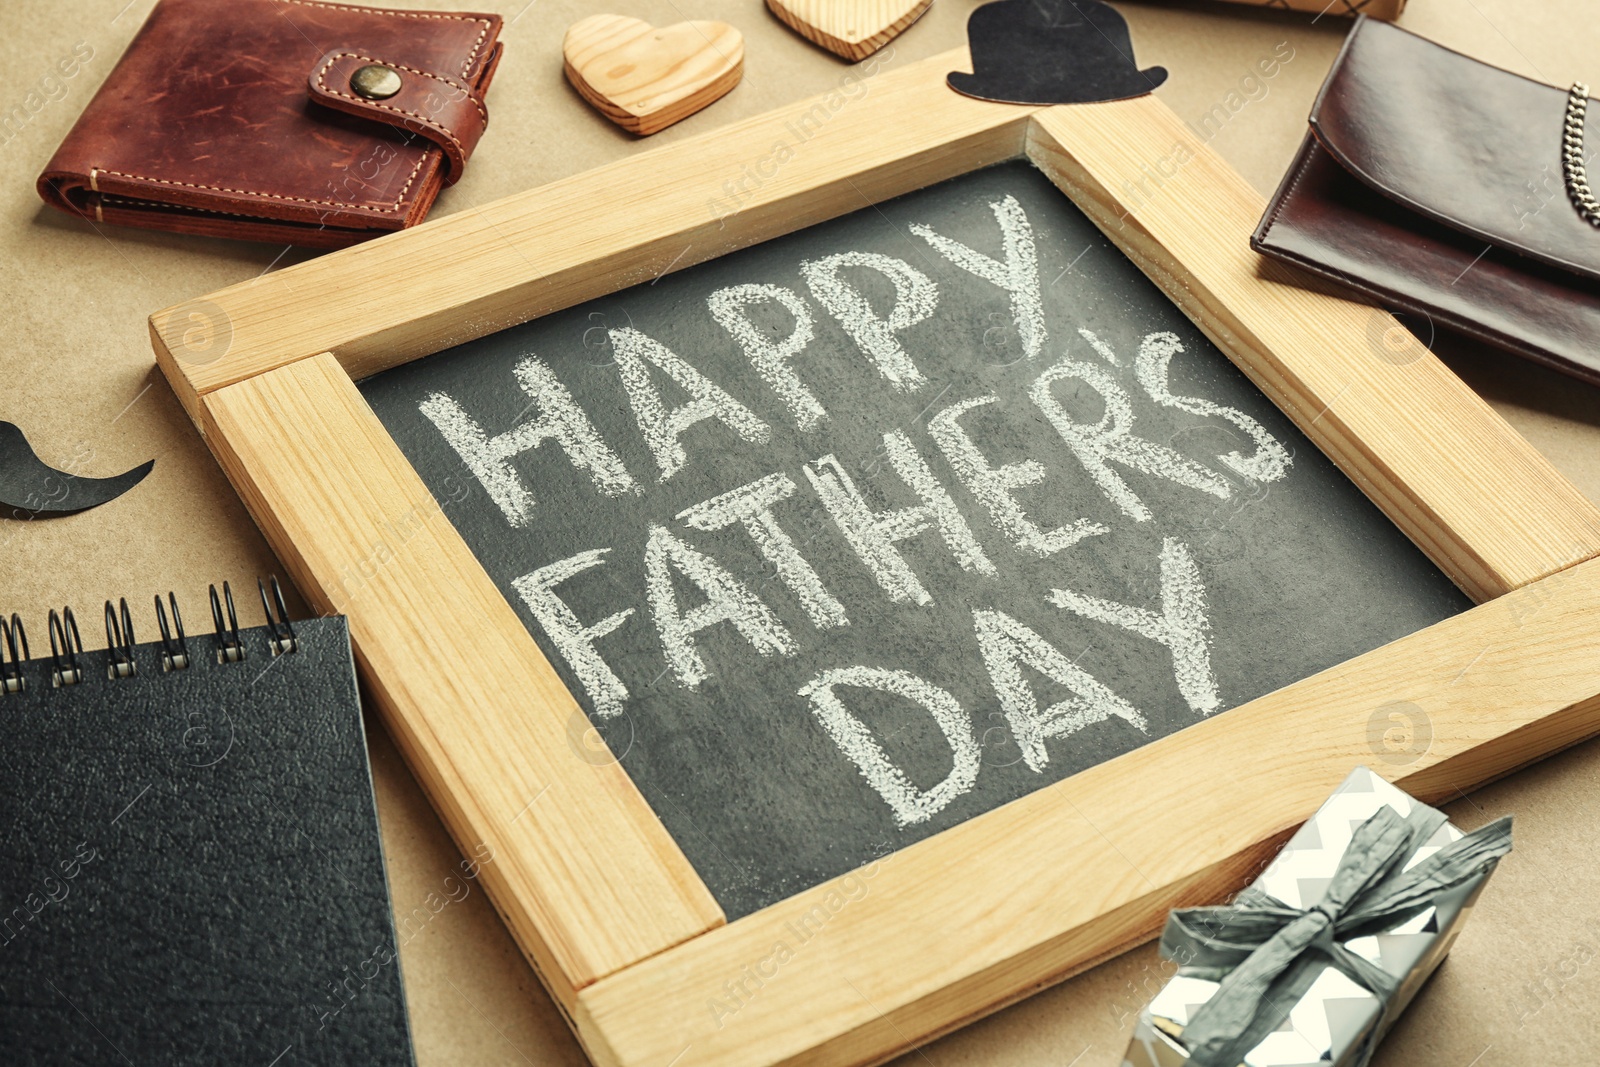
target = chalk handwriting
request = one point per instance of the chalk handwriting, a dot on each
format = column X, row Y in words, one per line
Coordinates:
column 1018, row 275
column 909, row 804
column 726, row 600
column 915, row 299
column 894, row 511
column 751, row 506
column 1111, row 440
column 1271, row 460
column 873, row 534
column 662, row 429
column 1007, row 646
column 993, row 486
column 560, row 419
column 771, row 358
column 1181, row 625
column 572, row 639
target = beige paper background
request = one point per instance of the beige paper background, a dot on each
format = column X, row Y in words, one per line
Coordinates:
column 1523, row 984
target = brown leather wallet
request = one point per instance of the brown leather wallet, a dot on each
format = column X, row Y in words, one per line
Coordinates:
column 247, row 119
column 1434, row 184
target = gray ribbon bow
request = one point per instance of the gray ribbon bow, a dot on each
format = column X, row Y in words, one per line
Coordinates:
column 1266, row 954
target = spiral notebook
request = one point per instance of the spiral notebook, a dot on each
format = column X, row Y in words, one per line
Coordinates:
column 190, row 869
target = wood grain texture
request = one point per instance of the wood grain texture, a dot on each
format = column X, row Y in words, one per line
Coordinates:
column 853, row 29
column 1024, row 895
column 586, row 876
column 643, row 78
column 1472, row 493
column 389, row 301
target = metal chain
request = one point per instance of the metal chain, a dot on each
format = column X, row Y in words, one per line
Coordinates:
column 1573, row 166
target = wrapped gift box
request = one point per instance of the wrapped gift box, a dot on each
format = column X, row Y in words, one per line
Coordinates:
column 1336, row 1019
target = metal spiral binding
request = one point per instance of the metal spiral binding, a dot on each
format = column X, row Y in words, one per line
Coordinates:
column 119, row 642
column 66, row 642
column 66, row 645
column 11, row 636
column 1573, row 166
column 230, row 647
column 174, row 650
column 283, row 638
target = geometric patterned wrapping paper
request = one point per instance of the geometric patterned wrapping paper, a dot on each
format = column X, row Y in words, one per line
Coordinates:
column 1378, row 9
column 1335, row 1014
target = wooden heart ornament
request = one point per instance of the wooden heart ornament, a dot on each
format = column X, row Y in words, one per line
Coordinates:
column 644, row 79
column 853, row 29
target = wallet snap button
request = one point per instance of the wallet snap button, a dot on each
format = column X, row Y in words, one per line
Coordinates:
column 375, row 81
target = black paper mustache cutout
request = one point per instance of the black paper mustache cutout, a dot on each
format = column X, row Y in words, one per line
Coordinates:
column 1052, row 52
column 31, row 488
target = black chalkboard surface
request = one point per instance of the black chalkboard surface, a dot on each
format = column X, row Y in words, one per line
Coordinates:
column 848, row 537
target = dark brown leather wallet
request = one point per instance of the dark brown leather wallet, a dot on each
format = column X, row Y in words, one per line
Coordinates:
column 292, row 121
column 1434, row 184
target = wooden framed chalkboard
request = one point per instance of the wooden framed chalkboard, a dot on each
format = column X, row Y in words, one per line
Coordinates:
column 1145, row 539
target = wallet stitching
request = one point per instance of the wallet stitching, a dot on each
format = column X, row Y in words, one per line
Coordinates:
column 1283, row 201
column 113, row 200
column 397, row 110
column 477, row 45
column 323, row 85
column 278, row 196
column 346, row 205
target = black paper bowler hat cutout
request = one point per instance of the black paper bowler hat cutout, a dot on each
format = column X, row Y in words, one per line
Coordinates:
column 1052, row 52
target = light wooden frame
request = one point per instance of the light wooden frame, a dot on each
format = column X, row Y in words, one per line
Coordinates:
column 625, row 935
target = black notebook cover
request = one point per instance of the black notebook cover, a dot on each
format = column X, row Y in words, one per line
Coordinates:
column 190, row 870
